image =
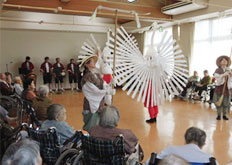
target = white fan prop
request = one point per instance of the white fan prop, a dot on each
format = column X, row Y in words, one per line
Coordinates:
column 161, row 73
column 90, row 48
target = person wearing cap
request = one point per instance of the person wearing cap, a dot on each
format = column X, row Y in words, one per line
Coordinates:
column 222, row 75
column 94, row 89
column 46, row 69
column 58, row 69
column 72, row 69
column 27, row 66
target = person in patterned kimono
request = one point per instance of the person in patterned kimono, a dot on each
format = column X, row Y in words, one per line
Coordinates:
column 223, row 76
column 94, row 89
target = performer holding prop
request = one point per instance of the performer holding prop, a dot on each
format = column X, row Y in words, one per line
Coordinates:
column 223, row 84
column 94, row 89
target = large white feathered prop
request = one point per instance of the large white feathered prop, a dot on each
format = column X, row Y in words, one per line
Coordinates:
column 162, row 71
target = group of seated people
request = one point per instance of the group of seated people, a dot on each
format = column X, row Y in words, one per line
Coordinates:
column 54, row 115
column 28, row 150
column 197, row 85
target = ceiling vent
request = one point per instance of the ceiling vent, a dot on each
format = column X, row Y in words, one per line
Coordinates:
column 184, row 6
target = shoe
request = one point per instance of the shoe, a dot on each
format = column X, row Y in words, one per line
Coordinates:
column 218, row 118
column 56, row 89
column 225, row 118
column 51, row 91
column 62, row 89
column 78, row 90
column 151, row 120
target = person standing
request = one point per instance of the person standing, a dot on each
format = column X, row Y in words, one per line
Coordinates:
column 94, row 90
column 58, row 69
column 223, row 84
column 72, row 69
column 46, row 69
column 27, row 66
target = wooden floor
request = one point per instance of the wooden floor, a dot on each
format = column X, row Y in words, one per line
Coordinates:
column 173, row 120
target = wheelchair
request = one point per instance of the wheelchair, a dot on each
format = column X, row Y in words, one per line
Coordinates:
column 52, row 152
column 9, row 135
column 104, row 152
column 155, row 161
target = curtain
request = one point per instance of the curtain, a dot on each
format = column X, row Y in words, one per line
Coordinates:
column 212, row 38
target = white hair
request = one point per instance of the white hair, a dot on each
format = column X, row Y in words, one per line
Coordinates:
column 43, row 90
column 173, row 160
column 17, row 78
column 24, row 152
column 56, row 112
column 109, row 117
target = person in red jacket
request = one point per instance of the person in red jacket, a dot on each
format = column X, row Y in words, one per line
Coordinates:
column 72, row 69
column 46, row 69
column 27, row 66
column 58, row 70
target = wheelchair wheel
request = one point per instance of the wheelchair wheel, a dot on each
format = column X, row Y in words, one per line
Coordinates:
column 70, row 157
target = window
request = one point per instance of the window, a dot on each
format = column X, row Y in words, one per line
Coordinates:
column 212, row 39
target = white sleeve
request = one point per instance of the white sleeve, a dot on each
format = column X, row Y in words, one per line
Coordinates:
column 229, row 83
column 220, row 79
column 93, row 95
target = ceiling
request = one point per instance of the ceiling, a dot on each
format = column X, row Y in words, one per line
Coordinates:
column 148, row 10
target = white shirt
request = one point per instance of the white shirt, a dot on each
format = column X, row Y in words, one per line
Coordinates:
column 72, row 67
column 18, row 89
column 28, row 66
column 47, row 67
column 190, row 152
column 58, row 64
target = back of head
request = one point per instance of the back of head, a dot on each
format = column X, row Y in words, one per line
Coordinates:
column 173, row 160
column 43, row 90
column 56, row 112
column 21, row 153
column 27, row 83
column 196, row 136
column 109, row 117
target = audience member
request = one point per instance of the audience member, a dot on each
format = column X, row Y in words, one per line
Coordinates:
column 4, row 115
column 5, row 87
column 27, row 66
column 28, row 92
column 18, row 85
column 46, row 69
column 202, row 85
column 191, row 82
column 191, row 151
column 58, row 69
column 107, row 129
column 56, row 118
column 42, row 102
column 25, row 152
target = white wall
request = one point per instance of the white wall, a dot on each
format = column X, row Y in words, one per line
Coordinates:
column 17, row 44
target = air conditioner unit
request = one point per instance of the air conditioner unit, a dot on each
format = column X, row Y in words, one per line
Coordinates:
column 184, row 6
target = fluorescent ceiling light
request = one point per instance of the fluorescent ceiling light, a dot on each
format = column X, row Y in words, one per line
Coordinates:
column 131, row 1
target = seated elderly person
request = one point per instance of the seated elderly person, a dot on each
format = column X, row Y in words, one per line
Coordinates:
column 22, row 152
column 106, row 130
column 41, row 103
column 56, row 118
column 191, row 82
column 28, row 92
column 5, row 86
column 18, row 86
column 202, row 85
column 191, row 151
